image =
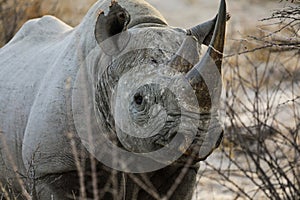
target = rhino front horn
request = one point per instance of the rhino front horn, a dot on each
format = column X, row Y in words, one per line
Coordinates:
column 202, row 76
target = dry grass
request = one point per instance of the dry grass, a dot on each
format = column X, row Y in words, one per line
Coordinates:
column 14, row 13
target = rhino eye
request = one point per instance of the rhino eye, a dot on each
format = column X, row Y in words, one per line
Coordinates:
column 138, row 99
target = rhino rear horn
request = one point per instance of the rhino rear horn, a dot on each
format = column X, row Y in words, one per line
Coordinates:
column 204, row 32
column 111, row 29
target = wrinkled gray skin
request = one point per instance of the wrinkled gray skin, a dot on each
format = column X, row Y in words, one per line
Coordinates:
column 38, row 69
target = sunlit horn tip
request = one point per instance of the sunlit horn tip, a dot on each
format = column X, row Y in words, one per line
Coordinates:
column 216, row 46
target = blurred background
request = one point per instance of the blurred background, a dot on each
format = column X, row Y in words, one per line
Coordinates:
column 182, row 13
column 260, row 154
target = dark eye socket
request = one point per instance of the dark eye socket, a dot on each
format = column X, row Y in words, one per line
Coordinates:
column 138, row 99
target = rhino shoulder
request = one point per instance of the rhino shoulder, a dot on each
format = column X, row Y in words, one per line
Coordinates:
column 46, row 27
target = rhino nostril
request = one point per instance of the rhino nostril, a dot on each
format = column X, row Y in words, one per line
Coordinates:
column 138, row 99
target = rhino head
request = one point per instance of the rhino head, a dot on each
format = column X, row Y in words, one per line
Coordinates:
column 155, row 101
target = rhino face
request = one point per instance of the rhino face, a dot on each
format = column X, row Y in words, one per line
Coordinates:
column 156, row 95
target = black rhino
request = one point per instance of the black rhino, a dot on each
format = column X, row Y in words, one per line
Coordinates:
column 119, row 107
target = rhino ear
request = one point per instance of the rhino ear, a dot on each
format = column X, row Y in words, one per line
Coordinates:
column 112, row 26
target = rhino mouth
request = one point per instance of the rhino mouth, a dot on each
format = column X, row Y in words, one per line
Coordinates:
column 204, row 142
